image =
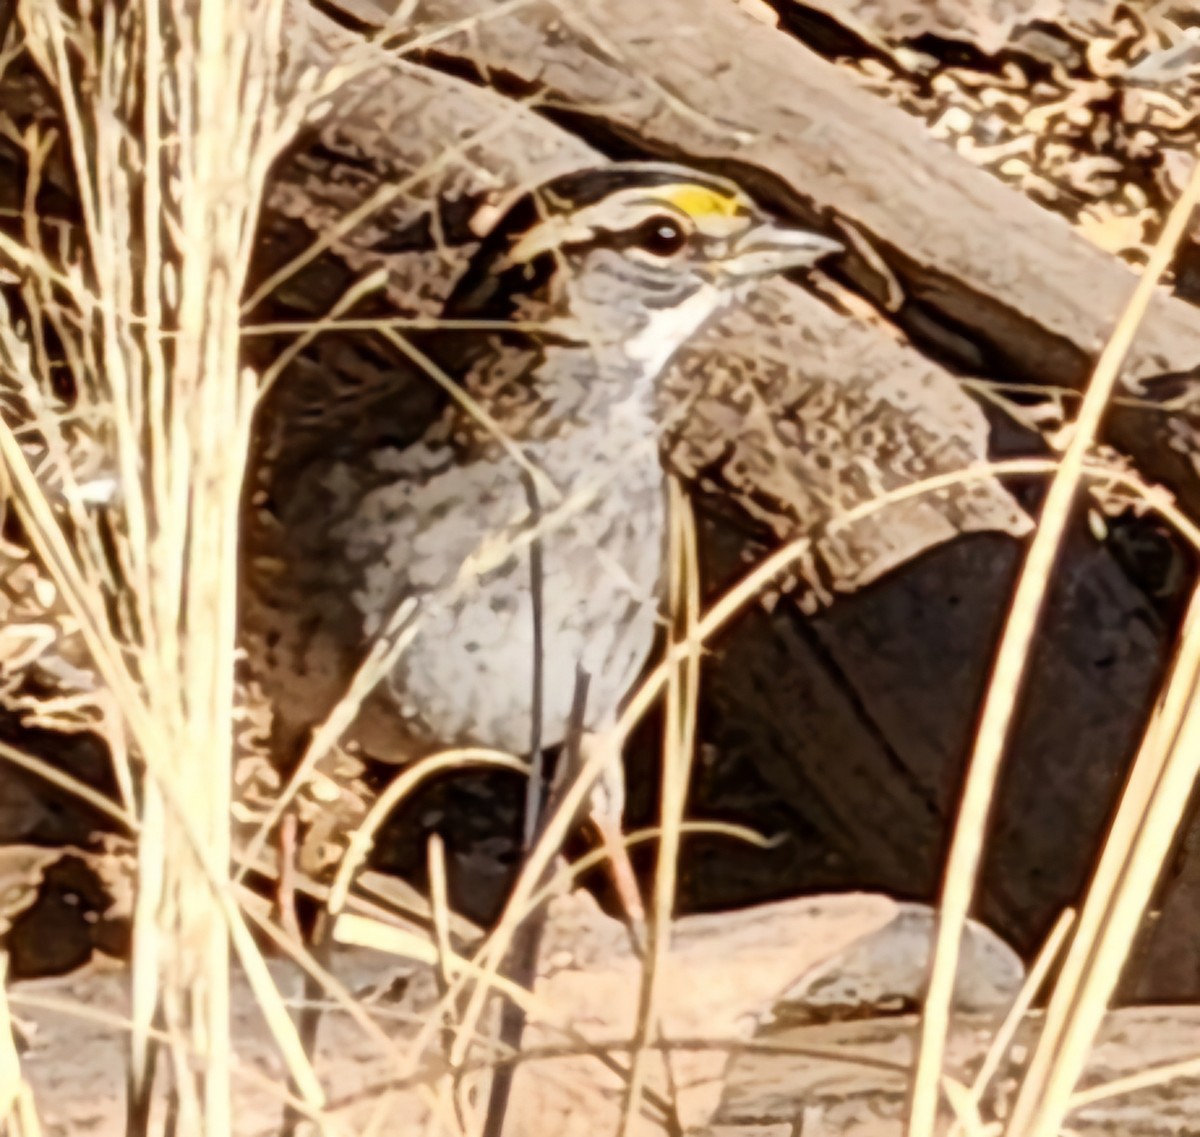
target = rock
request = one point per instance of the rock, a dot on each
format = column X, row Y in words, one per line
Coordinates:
column 724, row 974
column 885, row 972
column 726, row 978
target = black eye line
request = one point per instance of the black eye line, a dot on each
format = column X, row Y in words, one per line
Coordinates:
column 622, row 239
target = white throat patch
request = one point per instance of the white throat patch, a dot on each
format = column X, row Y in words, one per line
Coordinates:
column 670, row 328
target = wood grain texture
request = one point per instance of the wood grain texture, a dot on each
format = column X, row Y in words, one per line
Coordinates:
column 990, row 280
column 844, row 731
column 865, row 1101
column 788, row 412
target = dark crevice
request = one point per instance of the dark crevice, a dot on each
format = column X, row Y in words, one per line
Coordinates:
column 835, row 39
column 347, row 15
column 823, row 32
column 866, row 716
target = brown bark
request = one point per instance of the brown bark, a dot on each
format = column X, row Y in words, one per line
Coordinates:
column 863, row 1100
column 990, row 280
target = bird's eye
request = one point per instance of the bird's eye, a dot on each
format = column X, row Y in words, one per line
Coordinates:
column 663, row 236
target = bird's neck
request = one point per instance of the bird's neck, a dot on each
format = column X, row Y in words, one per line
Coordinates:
column 603, row 429
column 600, row 450
column 537, row 392
column 589, row 386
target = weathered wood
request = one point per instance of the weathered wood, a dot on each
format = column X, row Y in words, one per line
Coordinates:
column 990, row 280
column 791, row 412
column 868, row 1100
column 724, row 979
column 858, row 744
column 858, row 720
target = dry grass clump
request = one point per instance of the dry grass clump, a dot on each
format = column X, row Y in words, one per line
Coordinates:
column 172, row 115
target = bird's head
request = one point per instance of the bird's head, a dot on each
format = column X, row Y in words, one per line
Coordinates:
column 632, row 257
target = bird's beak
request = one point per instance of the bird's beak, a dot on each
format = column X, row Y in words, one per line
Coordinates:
column 770, row 248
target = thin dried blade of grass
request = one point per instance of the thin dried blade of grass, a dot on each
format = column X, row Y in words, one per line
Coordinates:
column 383, row 197
column 362, row 931
column 998, row 1048
column 451, row 1102
column 11, row 1080
column 363, row 837
column 568, row 875
column 386, row 27
column 548, row 493
column 84, row 1012
column 1147, row 1079
column 1008, row 674
column 439, row 904
column 56, row 777
column 359, row 290
column 454, row 1094
column 333, row 322
column 533, row 872
column 18, row 1113
column 724, row 610
column 527, row 892
column 1142, row 834
column 967, row 1118
column 380, row 658
column 55, row 552
column 25, row 1116
column 153, row 343
column 683, row 693
column 335, row 990
column 404, row 623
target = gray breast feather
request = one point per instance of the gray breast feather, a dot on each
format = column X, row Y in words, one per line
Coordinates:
column 460, row 541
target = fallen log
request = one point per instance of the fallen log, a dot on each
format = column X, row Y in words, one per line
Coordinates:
column 989, row 281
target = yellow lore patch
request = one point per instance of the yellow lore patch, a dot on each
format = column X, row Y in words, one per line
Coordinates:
column 700, row 201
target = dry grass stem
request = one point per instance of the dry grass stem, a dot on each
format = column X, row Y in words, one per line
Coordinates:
column 1008, row 674
column 75, row 1010
column 173, row 115
column 18, row 1117
column 997, row 1051
column 1138, row 843
column 683, row 694
column 56, row 777
column 383, row 197
column 1146, row 1079
column 364, row 835
column 384, row 651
